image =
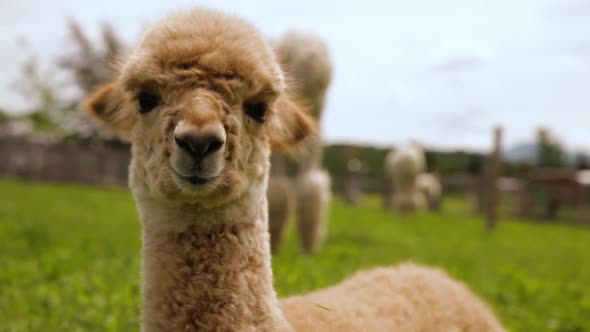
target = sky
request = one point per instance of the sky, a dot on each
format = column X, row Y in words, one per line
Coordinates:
column 443, row 73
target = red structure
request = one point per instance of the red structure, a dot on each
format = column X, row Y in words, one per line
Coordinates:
column 553, row 194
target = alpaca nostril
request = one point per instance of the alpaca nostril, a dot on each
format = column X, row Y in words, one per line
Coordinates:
column 183, row 145
column 214, row 145
column 197, row 146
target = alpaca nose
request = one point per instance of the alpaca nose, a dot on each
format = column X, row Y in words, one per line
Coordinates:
column 199, row 146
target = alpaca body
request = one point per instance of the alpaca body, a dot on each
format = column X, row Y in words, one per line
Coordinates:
column 402, row 167
column 409, row 201
column 405, row 164
column 403, row 298
column 307, row 62
column 429, row 185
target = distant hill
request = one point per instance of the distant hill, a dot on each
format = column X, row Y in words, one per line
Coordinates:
column 521, row 152
column 528, row 152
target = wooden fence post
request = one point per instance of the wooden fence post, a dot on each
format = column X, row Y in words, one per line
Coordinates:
column 494, row 171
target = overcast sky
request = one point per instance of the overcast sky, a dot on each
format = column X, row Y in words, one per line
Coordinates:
column 440, row 72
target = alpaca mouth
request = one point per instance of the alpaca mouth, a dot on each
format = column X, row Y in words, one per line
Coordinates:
column 194, row 179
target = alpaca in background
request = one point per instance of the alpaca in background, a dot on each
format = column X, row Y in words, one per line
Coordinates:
column 306, row 59
column 431, row 188
column 403, row 166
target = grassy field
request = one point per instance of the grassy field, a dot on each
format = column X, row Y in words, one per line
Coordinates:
column 69, row 259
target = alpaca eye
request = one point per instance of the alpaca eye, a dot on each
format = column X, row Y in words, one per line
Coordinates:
column 256, row 111
column 147, row 102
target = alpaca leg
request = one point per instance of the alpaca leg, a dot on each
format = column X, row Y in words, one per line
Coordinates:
column 409, row 201
column 313, row 200
column 280, row 205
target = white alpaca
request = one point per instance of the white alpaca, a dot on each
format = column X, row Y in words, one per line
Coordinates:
column 430, row 187
column 306, row 59
column 202, row 99
column 403, row 165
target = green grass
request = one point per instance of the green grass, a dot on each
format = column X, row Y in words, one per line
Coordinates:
column 69, row 259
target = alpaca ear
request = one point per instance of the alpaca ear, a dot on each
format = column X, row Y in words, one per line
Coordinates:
column 110, row 105
column 289, row 124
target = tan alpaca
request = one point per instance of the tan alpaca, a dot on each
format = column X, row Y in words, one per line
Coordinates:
column 202, row 99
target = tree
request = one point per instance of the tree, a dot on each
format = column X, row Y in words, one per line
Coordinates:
column 89, row 65
column 85, row 64
column 475, row 164
column 582, row 161
column 549, row 153
column 39, row 88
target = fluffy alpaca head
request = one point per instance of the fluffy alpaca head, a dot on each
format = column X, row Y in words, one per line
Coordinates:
column 306, row 58
column 202, row 98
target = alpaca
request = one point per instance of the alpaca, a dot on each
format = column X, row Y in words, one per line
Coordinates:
column 430, row 187
column 402, row 167
column 306, row 59
column 202, row 100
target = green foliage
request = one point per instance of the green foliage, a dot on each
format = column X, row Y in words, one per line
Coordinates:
column 89, row 65
column 550, row 153
column 40, row 89
column 69, row 259
column 41, row 120
column 456, row 162
column 83, row 64
column 582, row 161
column 475, row 164
column 4, row 116
column 337, row 156
column 441, row 162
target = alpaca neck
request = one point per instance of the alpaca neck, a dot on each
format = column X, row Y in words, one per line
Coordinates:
column 207, row 270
